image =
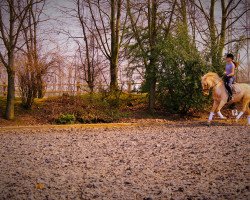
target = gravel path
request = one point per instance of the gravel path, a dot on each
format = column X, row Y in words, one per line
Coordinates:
column 145, row 162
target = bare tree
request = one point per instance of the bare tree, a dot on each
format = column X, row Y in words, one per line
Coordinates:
column 12, row 16
column 109, row 22
column 88, row 59
column 213, row 34
column 89, row 53
column 146, row 22
column 29, row 71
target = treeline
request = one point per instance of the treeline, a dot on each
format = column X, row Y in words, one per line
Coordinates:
column 170, row 43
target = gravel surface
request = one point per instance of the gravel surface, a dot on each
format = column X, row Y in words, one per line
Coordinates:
column 138, row 162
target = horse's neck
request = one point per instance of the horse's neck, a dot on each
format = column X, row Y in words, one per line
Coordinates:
column 219, row 87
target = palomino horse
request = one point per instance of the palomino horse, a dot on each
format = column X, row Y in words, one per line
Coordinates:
column 213, row 81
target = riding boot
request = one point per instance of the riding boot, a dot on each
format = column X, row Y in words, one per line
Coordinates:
column 230, row 93
column 232, row 106
column 229, row 97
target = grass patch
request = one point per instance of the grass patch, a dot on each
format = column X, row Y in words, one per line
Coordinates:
column 66, row 119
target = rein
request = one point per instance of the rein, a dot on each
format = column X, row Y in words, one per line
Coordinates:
column 217, row 84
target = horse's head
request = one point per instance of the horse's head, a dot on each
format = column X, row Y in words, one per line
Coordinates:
column 208, row 82
column 205, row 86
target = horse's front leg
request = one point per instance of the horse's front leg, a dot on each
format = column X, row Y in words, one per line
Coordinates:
column 220, row 106
column 215, row 105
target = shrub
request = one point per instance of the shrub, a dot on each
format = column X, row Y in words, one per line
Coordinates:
column 181, row 69
column 66, row 119
column 27, row 87
column 87, row 119
column 112, row 98
column 99, row 116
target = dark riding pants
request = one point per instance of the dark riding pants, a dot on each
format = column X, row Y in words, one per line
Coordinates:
column 229, row 83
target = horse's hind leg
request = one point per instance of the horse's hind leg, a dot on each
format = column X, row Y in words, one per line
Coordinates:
column 248, row 114
column 245, row 107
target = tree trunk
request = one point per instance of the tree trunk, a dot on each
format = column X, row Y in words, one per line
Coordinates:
column 152, row 93
column 222, row 34
column 9, row 114
column 40, row 87
column 213, row 39
column 152, row 69
column 115, row 31
column 151, row 80
column 113, row 75
column 184, row 15
column 91, row 87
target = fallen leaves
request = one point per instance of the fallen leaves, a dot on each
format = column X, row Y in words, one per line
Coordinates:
column 40, row 186
column 150, row 162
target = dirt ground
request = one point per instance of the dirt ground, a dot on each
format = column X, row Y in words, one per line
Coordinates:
column 147, row 162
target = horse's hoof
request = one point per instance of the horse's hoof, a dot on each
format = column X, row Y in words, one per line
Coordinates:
column 209, row 123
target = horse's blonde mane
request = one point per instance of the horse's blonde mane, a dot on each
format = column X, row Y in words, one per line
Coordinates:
column 212, row 75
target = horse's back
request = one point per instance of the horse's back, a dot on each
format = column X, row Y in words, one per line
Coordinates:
column 241, row 87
